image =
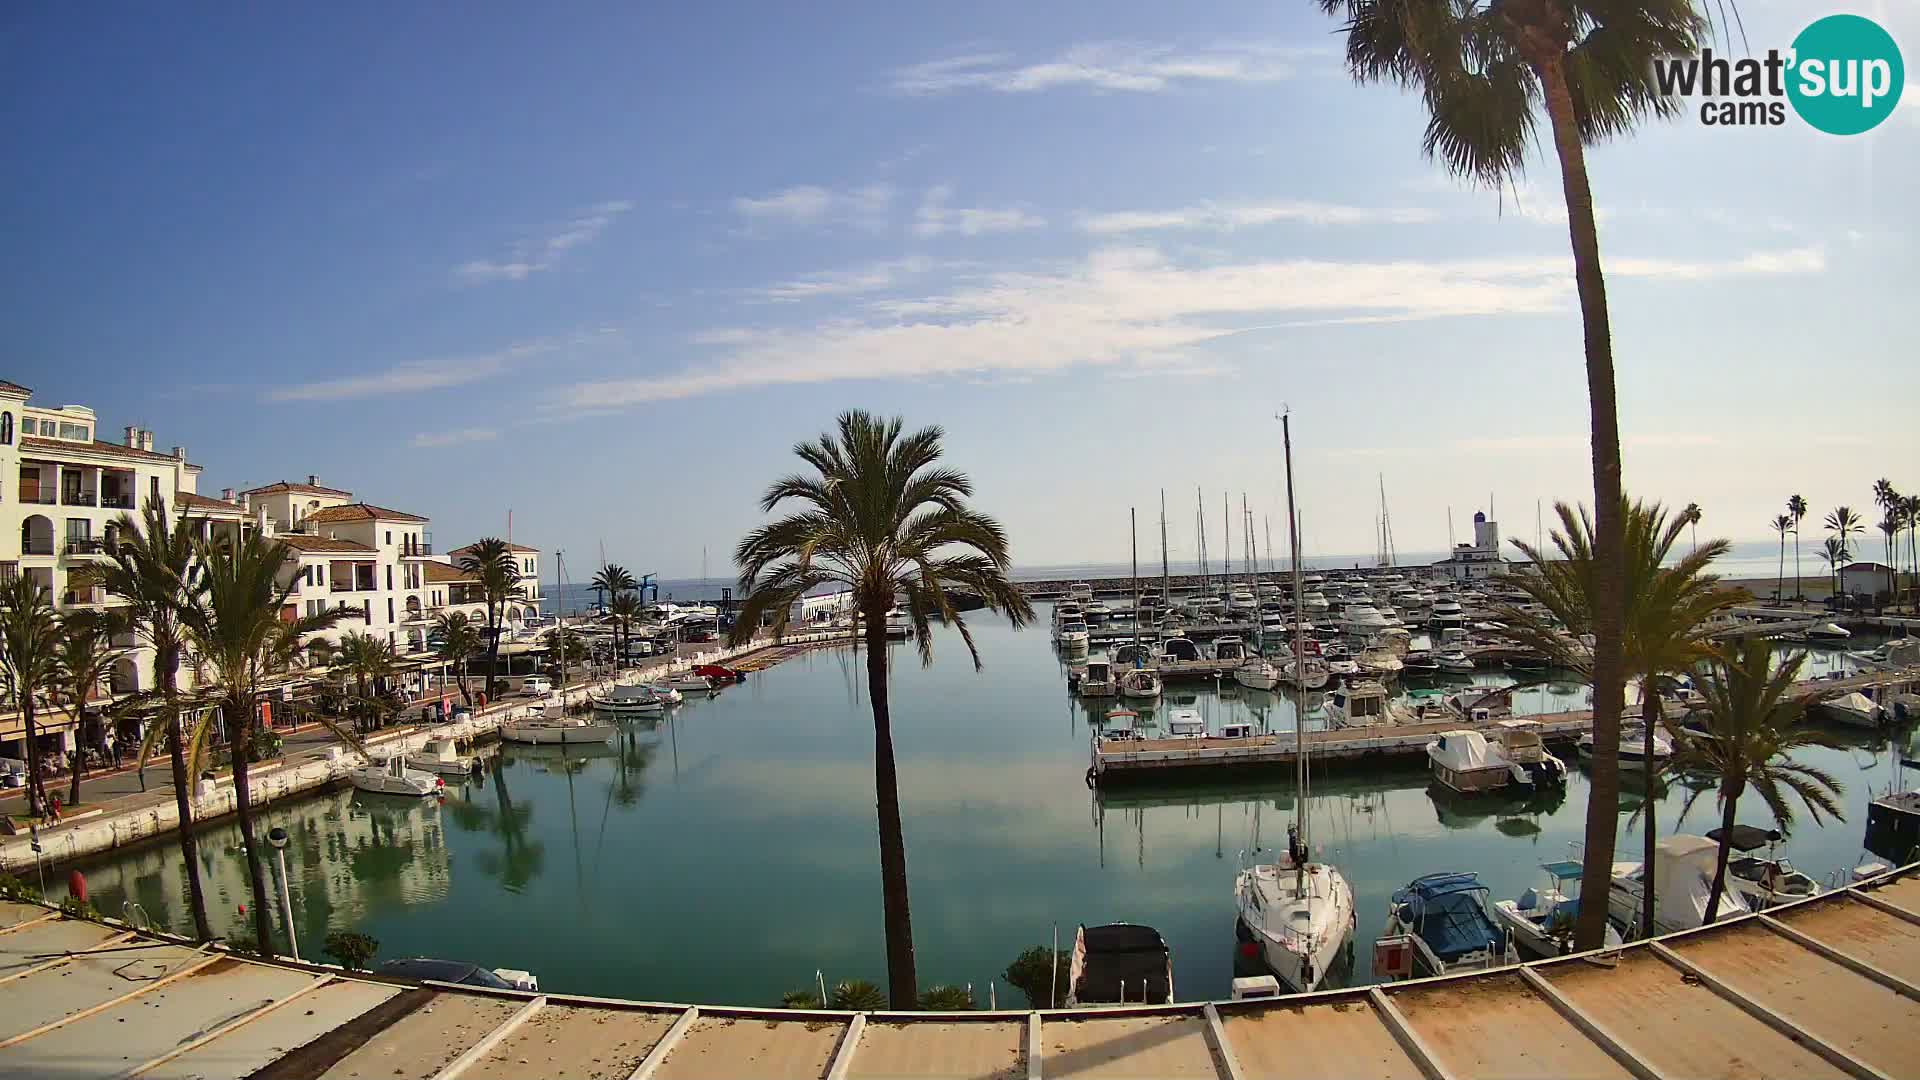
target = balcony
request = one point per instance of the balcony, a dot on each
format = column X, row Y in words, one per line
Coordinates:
column 86, row 545
column 36, row 546
column 114, row 501
column 417, row 548
column 83, row 597
column 77, row 497
column 36, row 496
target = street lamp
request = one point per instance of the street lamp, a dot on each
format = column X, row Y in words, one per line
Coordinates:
column 278, row 838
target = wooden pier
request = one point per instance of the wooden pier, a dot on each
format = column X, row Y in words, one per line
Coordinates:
column 1823, row 987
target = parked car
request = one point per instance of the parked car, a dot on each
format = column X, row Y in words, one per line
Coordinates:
column 537, row 686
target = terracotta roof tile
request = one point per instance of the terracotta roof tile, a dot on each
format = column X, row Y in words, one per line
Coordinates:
column 298, row 489
column 194, row 501
column 457, row 552
column 360, row 512
column 35, row 442
column 304, row 542
column 13, row 387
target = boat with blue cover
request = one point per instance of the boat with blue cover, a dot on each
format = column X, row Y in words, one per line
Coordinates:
column 1437, row 925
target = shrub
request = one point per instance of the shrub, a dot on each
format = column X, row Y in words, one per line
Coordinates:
column 1032, row 975
column 858, row 995
column 243, row 943
column 75, row 908
column 801, row 999
column 946, row 999
column 352, row 950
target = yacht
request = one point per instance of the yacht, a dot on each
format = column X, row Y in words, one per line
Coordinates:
column 1080, row 592
column 1097, row 680
column 1447, row 613
column 392, row 777
column 1176, row 650
column 1143, row 683
column 1132, row 655
column 1363, row 620
column 1683, row 881
column 1359, row 703
column 1097, row 612
column 629, row 701
column 1241, row 600
column 1186, row 724
column 1299, row 913
column 1454, row 662
column 1441, row 923
column 1074, row 638
column 1229, row 648
column 1119, row 964
column 1763, row 882
column 1466, row 762
column 1420, row 663
column 1314, row 603
column 1521, row 744
column 441, row 756
column 1378, row 662
column 1257, row 674
column 1541, row 920
column 557, row 730
column 1632, row 749
column 1479, row 706
column 1066, row 612
column 1312, row 674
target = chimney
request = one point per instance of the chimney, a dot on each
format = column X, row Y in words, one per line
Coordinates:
column 146, row 440
column 312, row 480
column 179, row 453
column 133, row 437
column 226, row 494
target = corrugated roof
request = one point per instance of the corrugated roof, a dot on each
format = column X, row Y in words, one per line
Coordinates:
column 303, row 542
column 35, row 442
column 360, row 511
column 299, row 489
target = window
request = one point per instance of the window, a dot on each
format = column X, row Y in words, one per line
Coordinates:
column 389, row 609
column 153, row 487
column 316, row 607
column 389, row 580
column 389, row 536
column 6, row 428
column 26, row 425
column 79, row 432
column 79, row 528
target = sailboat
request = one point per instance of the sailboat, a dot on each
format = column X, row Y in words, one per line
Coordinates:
column 1139, row 681
column 1298, row 912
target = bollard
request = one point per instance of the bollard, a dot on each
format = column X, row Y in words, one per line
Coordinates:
column 77, row 886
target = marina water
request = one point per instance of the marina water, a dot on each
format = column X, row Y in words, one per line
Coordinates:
column 728, row 853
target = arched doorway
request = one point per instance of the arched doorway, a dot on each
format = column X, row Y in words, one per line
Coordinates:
column 36, row 535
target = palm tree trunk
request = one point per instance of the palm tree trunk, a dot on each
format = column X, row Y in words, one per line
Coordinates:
column 1798, row 594
column 1650, row 716
column 183, row 800
column 36, row 789
column 240, row 724
column 902, row 991
column 80, row 755
column 1730, row 805
column 466, row 693
column 493, row 652
column 1609, row 570
column 1780, row 582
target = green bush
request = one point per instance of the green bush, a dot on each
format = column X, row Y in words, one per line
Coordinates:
column 946, row 999
column 351, row 950
column 243, row 943
column 858, row 995
column 1031, row 974
column 75, row 908
column 801, row 999
column 14, row 889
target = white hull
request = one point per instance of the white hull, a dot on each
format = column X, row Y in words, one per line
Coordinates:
column 698, row 684
column 557, row 732
column 628, row 706
column 1300, row 938
column 1257, row 676
column 384, row 780
column 1533, row 940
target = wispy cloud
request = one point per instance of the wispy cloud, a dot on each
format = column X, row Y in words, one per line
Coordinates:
column 455, row 437
column 873, row 277
column 540, row 253
column 1126, row 310
column 440, row 373
column 807, row 204
column 936, row 217
column 1102, row 65
column 1226, row 217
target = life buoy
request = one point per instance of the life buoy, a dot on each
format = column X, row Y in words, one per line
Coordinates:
column 1089, row 778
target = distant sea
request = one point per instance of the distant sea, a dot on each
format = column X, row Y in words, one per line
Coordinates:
column 1748, row 560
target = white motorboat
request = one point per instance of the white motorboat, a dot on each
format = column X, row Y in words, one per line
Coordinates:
column 1466, row 762
column 1363, row 620
column 690, row 682
column 1075, row 638
column 1763, row 882
column 558, row 731
column 1480, row 706
column 1065, row 612
column 441, row 756
column 629, row 701
column 1361, row 703
column 1141, row 683
column 1311, row 674
column 1186, row 724
column 1229, row 648
column 1080, row 592
column 1438, row 925
column 1313, row 602
column 1097, row 680
column 1683, row 881
column 1177, row 650
column 1521, row 744
column 899, row 627
column 1454, row 662
column 666, row 693
column 1854, row 710
column 1633, row 753
column 1097, row 612
column 1257, row 674
column 1119, row 964
column 1828, row 632
column 1241, row 600
column 392, row 777
column 1379, row 662
column 1541, row 920
column 1299, row 913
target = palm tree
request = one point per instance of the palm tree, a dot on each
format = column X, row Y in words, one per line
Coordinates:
column 493, row 565
column 625, row 608
column 1483, row 68
column 884, row 520
column 1753, row 726
column 29, row 666
column 365, row 657
column 239, row 620
column 1797, row 506
column 458, row 639
column 1692, row 517
column 85, row 656
column 147, row 571
column 1910, row 507
column 1781, row 524
column 612, row 580
column 1669, row 617
column 565, row 647
column 1890, row 528
column 1836, row 554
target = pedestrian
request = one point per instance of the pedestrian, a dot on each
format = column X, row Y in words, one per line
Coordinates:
column 53, row 808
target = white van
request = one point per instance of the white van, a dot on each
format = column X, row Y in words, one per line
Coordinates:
column 536, row 686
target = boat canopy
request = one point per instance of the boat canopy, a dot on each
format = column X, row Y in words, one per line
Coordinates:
column 1133, row 655
column 1449, row 914
column 1180, row 648
column 1745, row 837
column 1123, row 958
column 1463, row 751
column 1563, row 870
column 1683, row 878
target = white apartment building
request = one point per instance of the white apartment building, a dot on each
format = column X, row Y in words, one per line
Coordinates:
column 61, row 489
column 456, row 590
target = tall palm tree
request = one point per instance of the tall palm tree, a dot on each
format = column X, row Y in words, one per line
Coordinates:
column 565, row 647
column 625, row 608
column 1483, row 67
column 883, row 519
column 1836, row 554
column 85, row 656
column 493, row 565
column 457, row 640
column 1910, row 508
column 1844, row 523
column 1890, row 529
column 241, row 624
column 612, row 580
column 1692, row 517
column 1753, row 726
column 1781, row 525
column 29, row 666
column 1890, row 503
column 147, row 571
column 366, row 658
column 1669, row 625
column 1797, row 507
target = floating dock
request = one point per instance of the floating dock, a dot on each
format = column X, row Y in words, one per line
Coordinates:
column 1823, row 987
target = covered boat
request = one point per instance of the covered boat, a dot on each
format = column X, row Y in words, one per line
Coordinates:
column 1442, row 921
column 557, row 731
column 629, row 700
column 392, row 777
column 441, row 756
column 1683, row 880
column 1120, row 963
column 1466, row 762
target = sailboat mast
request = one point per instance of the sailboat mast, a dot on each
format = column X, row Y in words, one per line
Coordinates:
column 1200, row 527
column 1226, row 544
column 1133, row 530
column 1299, row 670
column 1166, row 589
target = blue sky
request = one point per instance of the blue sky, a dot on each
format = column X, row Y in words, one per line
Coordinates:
column 605, row 265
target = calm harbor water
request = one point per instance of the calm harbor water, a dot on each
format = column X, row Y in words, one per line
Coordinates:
column 726, row 854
